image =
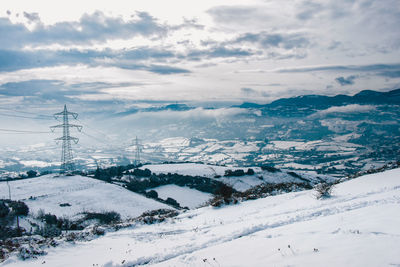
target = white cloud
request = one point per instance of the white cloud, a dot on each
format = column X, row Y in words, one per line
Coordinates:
column 353, row 108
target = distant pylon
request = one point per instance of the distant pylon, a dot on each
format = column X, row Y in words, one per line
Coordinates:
column 67, row 163
column 138, row 150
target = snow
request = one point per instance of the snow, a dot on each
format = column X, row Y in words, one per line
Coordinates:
column 357, row 226
column 241, row 183
column 193, row 169
column 82, row 193
column 186, row 197
column 36, row 163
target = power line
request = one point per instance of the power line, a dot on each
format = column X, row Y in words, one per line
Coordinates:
column 25, row 112
column 21, row 116
column 21, row 131
column 87, row 126
column 91, row 136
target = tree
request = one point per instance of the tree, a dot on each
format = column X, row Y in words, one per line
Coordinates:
column 172, row 202
column 19, row 208
column 152, row 194
column 250, row 172
column 31, row 173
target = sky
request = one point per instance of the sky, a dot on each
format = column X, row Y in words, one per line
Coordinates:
column 99, row 52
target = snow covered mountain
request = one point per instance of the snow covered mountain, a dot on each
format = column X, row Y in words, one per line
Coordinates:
column 357, row 226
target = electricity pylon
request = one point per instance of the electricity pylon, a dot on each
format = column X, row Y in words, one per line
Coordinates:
column 137, row 151
column 67, row 164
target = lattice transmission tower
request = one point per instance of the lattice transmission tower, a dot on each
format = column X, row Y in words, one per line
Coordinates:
column 67, row 163
column 138, row 150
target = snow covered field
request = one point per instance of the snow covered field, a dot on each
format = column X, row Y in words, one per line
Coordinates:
column 358, row 226
column 193, row 169
column 82, row 193
column 241, row 183
column 185, row 196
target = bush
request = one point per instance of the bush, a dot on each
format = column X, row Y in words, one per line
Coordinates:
column 50, row 218
column 234, row 173
column 323, row 190
column 152, row 194
column 105, row 218
column 18, row 207
column 142, row 173
column 48, row 230
column 31, row 173
column 250, row 172
column 172, row 202
column 295, row 175
column 224, row 191
column 4, row 210
column 269, row 168
column 7, row 232
column 154, row 216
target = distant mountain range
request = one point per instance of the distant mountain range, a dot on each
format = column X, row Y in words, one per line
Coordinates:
column 324, row 134
column 320, row 101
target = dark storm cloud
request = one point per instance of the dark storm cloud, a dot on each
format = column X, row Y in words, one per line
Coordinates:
column 92, row 28
column 346, row 81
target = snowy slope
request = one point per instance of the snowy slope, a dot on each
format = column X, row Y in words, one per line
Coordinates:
column 82, row 193
column 192, row 169
column 358, row 226
column 186, row 197
column 241, row 183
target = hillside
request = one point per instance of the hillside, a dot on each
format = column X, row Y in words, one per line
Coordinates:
column 357, row 226
column 81, row 193
column 240, row 183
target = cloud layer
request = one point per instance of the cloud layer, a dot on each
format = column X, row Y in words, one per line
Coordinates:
column 201, row 52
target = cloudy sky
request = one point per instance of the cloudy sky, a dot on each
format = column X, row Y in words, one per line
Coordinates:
column 91, row 52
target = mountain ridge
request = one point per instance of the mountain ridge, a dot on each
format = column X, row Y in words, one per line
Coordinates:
column 321, row 101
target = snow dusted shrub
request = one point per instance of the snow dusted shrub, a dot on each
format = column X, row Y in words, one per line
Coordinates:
column 104, row 218
column 323, row 190
column 98, row 230
column 155, row 216
column 269, row 168
column 28, row 251
column 48, row 230
column 223, row 195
